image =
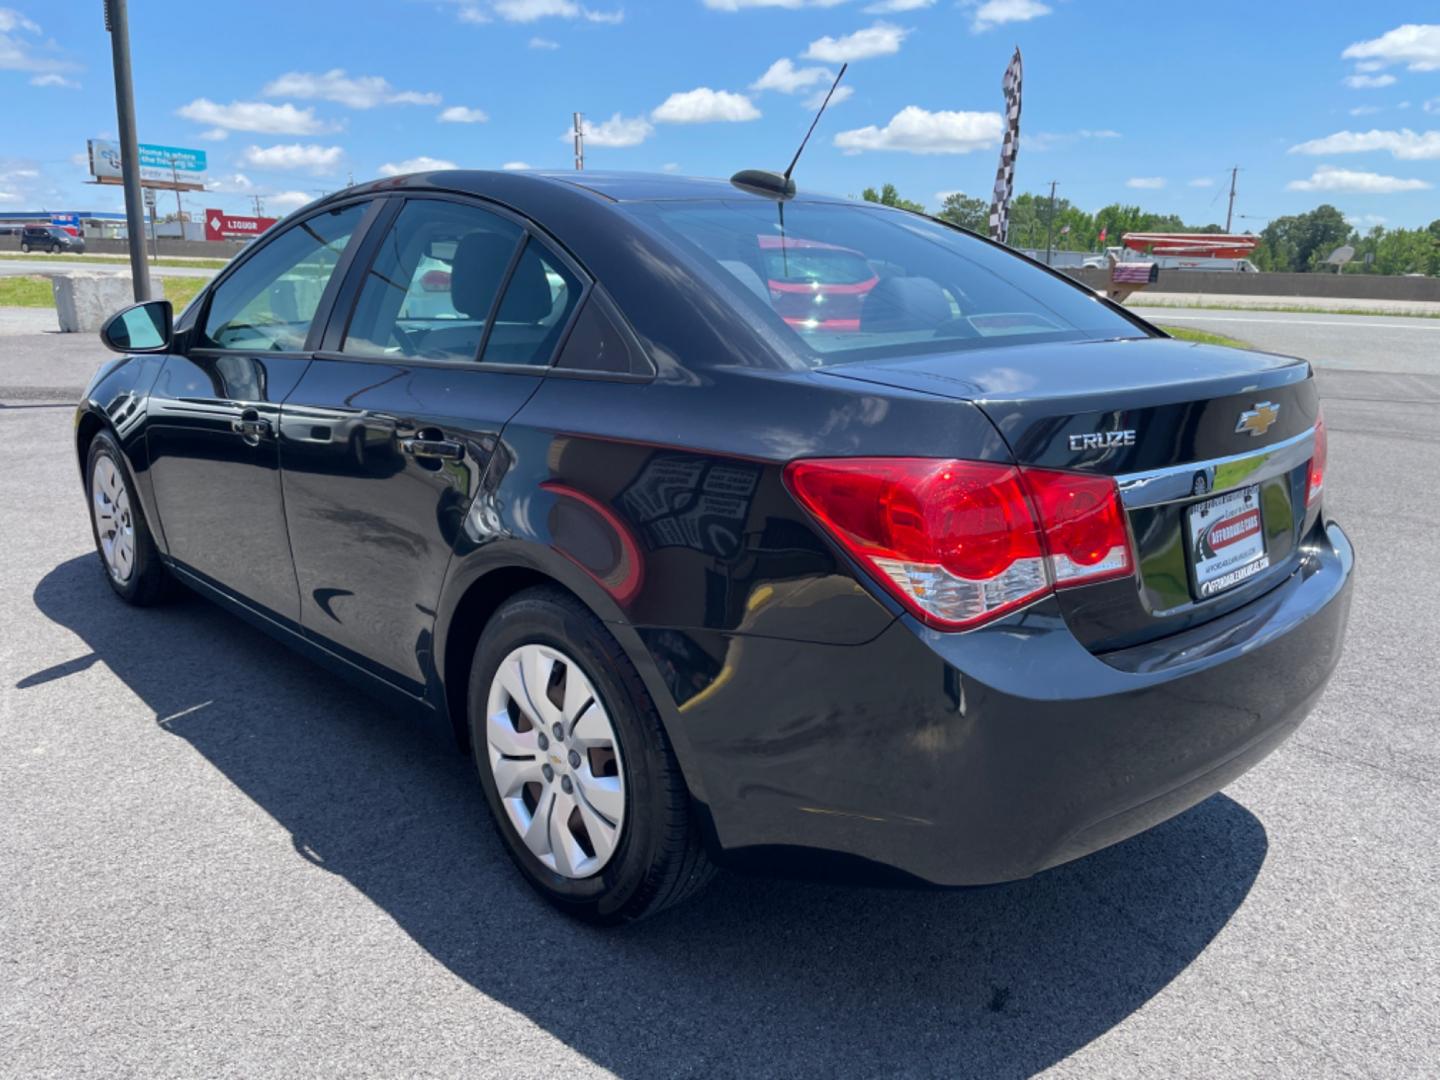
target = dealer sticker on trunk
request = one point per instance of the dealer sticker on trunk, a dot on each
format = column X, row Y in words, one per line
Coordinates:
column 1227, row 542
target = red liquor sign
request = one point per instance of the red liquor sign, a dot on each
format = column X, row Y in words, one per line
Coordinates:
column 222, row 226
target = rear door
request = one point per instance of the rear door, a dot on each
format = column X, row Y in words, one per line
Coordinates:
column 445, row 326
column 215, row 408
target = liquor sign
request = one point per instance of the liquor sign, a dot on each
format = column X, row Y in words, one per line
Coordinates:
column 222, row 226
column 160, row 166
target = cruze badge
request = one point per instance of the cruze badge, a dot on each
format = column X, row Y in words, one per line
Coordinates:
column 1102, row 440
column 1258, row 420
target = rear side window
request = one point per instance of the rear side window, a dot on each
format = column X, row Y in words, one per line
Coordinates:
column 537, row 305
column 269, row 301
column 598, row 344
column 433, row 284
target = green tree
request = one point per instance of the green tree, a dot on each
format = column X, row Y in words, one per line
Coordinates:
column 1302, row 242
column 888, row 196
column 968, row 213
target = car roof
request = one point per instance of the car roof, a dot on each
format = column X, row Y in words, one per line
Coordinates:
column 608, row 186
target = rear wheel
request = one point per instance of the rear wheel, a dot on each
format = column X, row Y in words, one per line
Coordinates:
column 122, row 538
column 25, row 248
column 576, row 766
column 54, row 249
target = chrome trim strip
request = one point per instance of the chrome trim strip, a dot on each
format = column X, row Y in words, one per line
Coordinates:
column 1175, row 483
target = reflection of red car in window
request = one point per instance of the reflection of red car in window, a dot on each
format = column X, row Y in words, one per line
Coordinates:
column 815, row 286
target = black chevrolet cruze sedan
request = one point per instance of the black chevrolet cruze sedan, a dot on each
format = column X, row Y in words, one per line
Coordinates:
column 724, row 527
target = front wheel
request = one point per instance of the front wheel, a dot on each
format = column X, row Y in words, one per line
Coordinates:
column 25, row 249
column 577, row 769
column 122, row 537
column 54, row 249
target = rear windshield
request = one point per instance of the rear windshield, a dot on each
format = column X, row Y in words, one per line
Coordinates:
column 851, row 282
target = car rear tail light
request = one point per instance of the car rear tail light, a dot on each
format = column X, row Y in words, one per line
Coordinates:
column 1317, row 463
column 959, row 543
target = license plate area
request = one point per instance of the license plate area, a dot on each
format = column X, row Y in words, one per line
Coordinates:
column 1225, row 537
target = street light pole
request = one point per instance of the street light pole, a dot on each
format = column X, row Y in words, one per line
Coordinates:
column 118, row 23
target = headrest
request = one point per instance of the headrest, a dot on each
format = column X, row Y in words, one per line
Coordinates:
column 905, row 303
column 476, row 271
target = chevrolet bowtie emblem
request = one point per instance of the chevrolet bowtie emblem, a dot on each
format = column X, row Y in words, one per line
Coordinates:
column 1258, row 420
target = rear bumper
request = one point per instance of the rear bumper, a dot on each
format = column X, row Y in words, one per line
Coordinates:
column 984, row 757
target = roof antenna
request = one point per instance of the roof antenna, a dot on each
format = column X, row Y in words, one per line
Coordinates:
column 779, row 185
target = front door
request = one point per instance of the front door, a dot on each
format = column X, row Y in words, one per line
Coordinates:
column 215, row 413
column 386, row 437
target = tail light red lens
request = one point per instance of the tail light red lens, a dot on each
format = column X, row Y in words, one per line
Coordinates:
column 1317, row 463
column 958, row 542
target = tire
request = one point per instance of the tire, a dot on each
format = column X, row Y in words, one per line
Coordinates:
column 54, row 249
column 128, row 556
column 654, row 856
column 25, row 249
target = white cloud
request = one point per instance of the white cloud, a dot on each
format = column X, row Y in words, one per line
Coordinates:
column 1329, row 178
column 882, row 39
column 1433, row 105
column 919, row 131
column 1048, row 140
column 461, row 114
column 355, row 92
column 543, row 43
column 1146, row 183
column 1358, row 220
column 293, row 157
column 1417, row 46
column 1365, row 110
column 670, row 167
column 9, row 196
column 739, row 5
column 703, row 106
column 1200, row 181
column 888, row 7
column 215, row 135
column 512, row 166
column 785, row 77
column 815, row 100
column 15, row 52
column 415, row 164
column 288, row 200
column 617, row 131
column 254, row 116
column 526, row 11
column 1406, row 145
column 235, row 182
column 994, row 13
column 1369, row 82
column 52, row 79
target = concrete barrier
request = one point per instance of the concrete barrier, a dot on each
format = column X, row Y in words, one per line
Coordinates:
column 84, row 301
column 223, row 249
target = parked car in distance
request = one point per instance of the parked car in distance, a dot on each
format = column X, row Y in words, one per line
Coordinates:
column 988, row 577
column 51, row 238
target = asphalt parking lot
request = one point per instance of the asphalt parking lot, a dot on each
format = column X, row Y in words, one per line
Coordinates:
column 217, row 860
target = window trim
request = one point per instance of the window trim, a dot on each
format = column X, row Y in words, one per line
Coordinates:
column 322, row 316
column 338, row 323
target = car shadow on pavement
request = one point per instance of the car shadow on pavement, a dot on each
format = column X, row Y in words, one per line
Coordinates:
column 759, row 977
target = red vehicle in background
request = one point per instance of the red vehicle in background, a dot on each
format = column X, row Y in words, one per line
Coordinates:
column 816, row 286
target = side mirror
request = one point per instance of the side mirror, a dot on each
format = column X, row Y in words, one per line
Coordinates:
column 142, row 328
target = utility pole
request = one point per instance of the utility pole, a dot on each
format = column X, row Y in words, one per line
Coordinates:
column 579, row 144
column 179, row 210
column 259, row 205
column 1050, row 228
column 1230, row 213
column 117, row 22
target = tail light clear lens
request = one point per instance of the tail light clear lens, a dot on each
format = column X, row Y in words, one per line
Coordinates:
column 959, row 543
column 1317, row 463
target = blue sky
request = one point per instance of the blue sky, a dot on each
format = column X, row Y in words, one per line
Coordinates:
column 1142, row 102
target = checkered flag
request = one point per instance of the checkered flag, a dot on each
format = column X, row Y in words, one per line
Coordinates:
column 1005, row 174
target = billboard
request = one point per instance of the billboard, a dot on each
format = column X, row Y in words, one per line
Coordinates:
column 160, row 166
column 222, row 226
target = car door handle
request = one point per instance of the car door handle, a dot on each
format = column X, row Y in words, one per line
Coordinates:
column 433, row 448
column 251, row 428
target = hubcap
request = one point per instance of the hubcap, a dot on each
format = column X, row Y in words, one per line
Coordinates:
column 110, row 503
column 564, row 793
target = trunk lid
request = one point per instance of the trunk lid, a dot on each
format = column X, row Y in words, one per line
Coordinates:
column 1165, row 419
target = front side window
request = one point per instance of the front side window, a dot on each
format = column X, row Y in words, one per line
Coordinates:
column 269, row 301
column 851, row 282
